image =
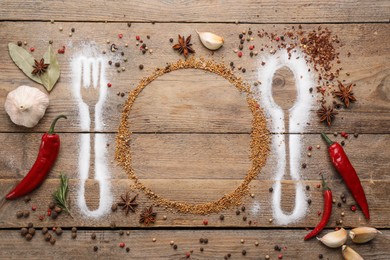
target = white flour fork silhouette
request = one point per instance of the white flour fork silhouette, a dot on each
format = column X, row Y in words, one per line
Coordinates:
column 299, row 115
column 90, row 92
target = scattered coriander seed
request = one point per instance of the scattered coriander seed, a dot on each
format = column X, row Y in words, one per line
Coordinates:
column 59, row 231
column 141, row 67
column 309, row 154
column 126, row 45
column 123, row 68
column 125, row 59
column 333, row 201
column 154, row 239
column 342, row 214
column 70, row 34
column 95, row 248
column 29, row 237
column 164, row 217
column 242, row 241
column 24, row 231
column 19, row 214
column 58, row 209
column 51, row 21
column 53, row 240
column 318, row 146
column 60, row 28
column 270, row 220
column 107, row 41
column 128, row 233
column 112, row 224
column 172, row 243
column 114, row 207
column 335, row 133
column 267, row 257
column 256, row 243
column 252, row 195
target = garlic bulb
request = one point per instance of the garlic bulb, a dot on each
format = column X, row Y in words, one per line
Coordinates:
column 362, row 235
column 335, row 239
column 210, row 40
column 350, row 254
column 26, row 105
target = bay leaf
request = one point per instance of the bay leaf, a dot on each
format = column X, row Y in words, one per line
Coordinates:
column 23, row 60
column 52, row 74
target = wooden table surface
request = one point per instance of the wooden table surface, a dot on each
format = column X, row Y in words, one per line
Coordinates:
column 191, row 129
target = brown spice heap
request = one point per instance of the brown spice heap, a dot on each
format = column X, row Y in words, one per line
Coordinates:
column 259, row 138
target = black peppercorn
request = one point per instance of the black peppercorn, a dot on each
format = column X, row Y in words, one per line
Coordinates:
column 175, row 246
column 141, row 67
column 243, row 252
column 221, row 217
column 95, row 248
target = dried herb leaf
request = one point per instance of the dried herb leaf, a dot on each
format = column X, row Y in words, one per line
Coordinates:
column 50, row 78
column 23, row 60
column 61, row 195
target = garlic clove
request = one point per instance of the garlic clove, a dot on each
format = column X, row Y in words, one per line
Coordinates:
column 26, row 105
column 335, row 239
column 362, row 235
column 210, row 40
column 350, row 254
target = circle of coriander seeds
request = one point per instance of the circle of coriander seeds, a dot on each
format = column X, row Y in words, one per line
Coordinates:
column 259, row 144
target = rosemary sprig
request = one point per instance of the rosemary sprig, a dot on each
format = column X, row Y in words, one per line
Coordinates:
column 61, row 195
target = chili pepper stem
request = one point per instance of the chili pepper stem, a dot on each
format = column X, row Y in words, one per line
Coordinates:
column 324, row 185
column 326, row 138
column 51, row 130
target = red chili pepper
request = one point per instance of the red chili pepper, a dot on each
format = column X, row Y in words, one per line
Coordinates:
column 47, row 155
column 327, row 211
column 346, row 170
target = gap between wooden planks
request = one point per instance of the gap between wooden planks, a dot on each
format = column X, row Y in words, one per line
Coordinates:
column 229, row 11
column 210, row 104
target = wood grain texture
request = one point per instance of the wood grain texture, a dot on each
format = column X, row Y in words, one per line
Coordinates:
column 196, row 156
column 258, row 208
column 197, row 101
column 264, row 11
column 220, row 243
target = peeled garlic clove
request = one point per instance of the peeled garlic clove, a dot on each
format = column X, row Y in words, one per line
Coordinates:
column 26, row 105
column 335, row 239
column 362, row 235
column 210, row 40
column 350, row 254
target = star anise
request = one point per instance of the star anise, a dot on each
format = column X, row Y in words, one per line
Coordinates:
column 184, row 46
column 147, row 216
column 326, row 113
column 345, row 94
column 128, row 202
column 39, row 67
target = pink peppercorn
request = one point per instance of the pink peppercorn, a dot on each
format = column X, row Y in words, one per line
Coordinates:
column 32, row 49
column 41, row 218
column 34, row 208
column 137, row 38
column 120, row 36
column 251, row 47
column 318, row 186
column 121, row 244
column 280, row 256
column 205, row 222
column 319, row 213
column 353, row 208
column 188, row 255
column 49, row 212
column 109, row 84
column 277, row 38
column 310, row 148
column 239, row 54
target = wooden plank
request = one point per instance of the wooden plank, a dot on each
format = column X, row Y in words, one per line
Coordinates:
column 197, row 102
column 196, row 156
column 265, row 11
column 220, row 243
column 258, row 208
